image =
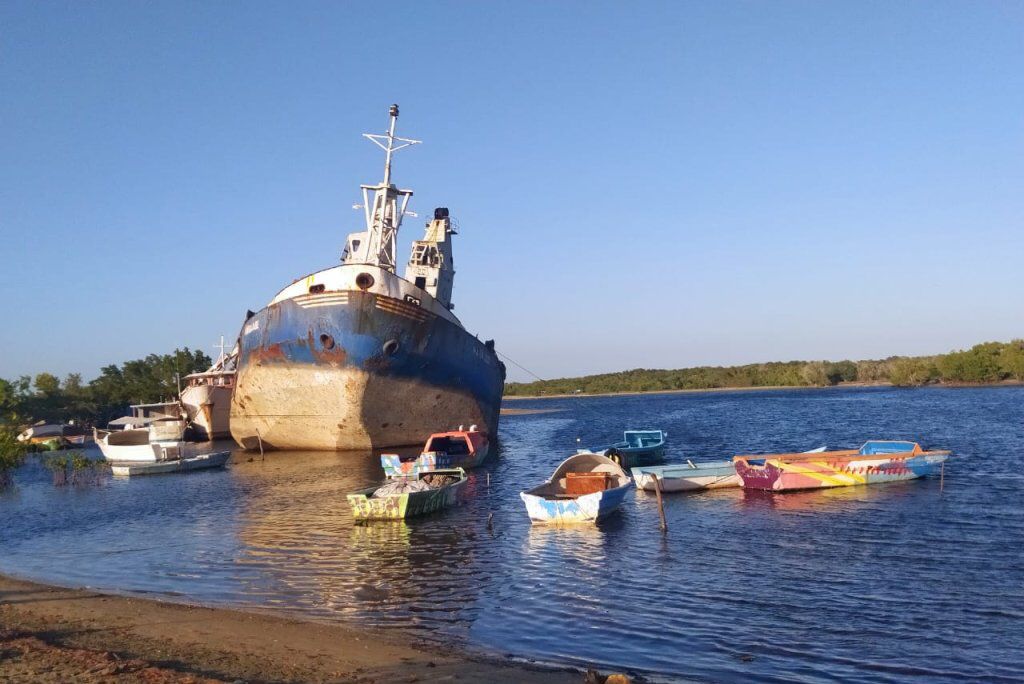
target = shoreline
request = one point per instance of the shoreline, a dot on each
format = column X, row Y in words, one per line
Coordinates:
column 765, row 388
column 55, row 634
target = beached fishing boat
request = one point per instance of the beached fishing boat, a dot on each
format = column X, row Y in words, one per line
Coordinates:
column 53, row 436
column 456, row 449
column 206, row 398
column 401, row 498
column 637, row 448
column 178, row 465
column 690, row 476
column 358, row 357
column 875, row 462
column 583, row 489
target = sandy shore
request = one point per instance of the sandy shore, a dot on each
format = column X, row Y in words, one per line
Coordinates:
column 50, row 634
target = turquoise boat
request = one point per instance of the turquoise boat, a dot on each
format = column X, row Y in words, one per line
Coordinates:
column 637, row 448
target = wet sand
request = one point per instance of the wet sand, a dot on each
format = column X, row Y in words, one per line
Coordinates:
column 51, row 634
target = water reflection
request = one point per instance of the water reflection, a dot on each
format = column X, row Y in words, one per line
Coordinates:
column 734, row 566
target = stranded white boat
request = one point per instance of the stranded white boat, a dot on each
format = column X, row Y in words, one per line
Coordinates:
column 160, row 441
column 206, row 398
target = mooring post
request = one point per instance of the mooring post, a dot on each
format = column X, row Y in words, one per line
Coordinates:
column 942, row 475
column 661, row 503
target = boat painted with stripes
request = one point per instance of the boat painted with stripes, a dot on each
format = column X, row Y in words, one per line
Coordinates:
column 875, row 462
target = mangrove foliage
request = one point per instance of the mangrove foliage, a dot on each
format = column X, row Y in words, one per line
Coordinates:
column 990, row 362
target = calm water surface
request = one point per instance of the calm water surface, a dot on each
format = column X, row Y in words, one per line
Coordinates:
column 868, row 584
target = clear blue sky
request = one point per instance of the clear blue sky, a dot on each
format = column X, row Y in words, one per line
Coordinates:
column 638, row 184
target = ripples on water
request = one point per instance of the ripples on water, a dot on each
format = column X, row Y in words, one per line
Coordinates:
column 860, row 584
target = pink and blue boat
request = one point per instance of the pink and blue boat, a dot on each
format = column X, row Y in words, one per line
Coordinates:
column 875, row 462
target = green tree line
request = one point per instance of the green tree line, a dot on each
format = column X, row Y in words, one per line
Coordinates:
column 26, row 400
column 989, row 362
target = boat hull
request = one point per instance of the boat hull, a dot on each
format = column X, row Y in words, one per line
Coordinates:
column 683, row 478
column 408, row 505
column 782, row 476
column 358, row 370
column 209, row 410
column 584, row 509
column 203, row 462
column 394, row 466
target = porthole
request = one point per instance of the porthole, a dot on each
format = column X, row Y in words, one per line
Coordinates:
column 326, row 341
column 364, row 281
column 391, row 347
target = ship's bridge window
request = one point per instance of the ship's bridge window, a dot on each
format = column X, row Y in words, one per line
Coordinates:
column 421, row 282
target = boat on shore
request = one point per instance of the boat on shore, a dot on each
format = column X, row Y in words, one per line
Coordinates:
column 356, row 356
column 460, row 448
column 583, row 489
column 206, row 398
column 407, row 497
column 178, row 465
column 690, row 476
column 875, row 462
column 53, row 436
column 637, row 448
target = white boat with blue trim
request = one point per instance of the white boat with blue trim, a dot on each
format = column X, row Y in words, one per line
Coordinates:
column 584, row 489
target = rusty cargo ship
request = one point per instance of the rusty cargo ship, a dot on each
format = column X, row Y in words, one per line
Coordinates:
column 355, row 356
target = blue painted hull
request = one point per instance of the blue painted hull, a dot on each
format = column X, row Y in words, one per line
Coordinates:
column 585, row 509
column 356, row 370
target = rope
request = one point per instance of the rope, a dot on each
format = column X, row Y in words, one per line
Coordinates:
column 504, row 356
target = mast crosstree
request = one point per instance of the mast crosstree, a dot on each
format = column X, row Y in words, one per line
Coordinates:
column 384, row 215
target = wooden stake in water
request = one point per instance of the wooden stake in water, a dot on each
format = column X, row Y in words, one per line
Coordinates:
column 942, row 475
column 661, row 504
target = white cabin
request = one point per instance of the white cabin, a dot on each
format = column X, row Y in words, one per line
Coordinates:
column 431, row 265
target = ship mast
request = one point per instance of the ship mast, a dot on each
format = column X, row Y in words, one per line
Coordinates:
column 384, row 216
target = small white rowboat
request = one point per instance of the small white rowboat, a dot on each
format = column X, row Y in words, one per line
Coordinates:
column 202, row 462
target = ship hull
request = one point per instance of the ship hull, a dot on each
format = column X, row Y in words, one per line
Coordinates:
column 358, row 370
column 208, row 407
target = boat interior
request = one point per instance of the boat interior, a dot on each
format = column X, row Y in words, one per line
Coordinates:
column 580, row 475
column 453, row 446
column 134, row 437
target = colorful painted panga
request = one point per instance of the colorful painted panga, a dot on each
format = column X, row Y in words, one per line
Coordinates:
column 456, row 449
column 409, row 504
column 875, row 462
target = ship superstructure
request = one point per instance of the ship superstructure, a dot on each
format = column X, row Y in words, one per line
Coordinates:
column 355, row 356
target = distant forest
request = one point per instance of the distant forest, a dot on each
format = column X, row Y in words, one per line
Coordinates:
column 26, row 400
column 989, row 362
